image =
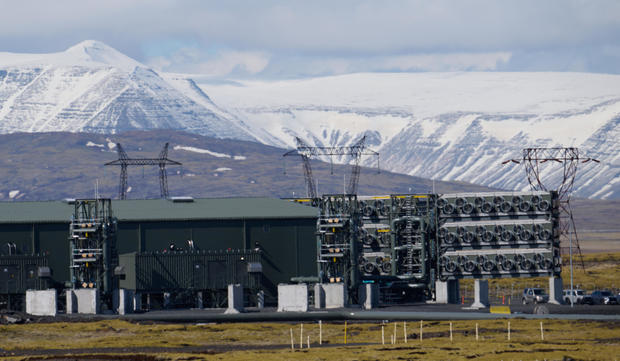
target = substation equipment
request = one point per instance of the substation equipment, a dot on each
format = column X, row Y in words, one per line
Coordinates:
column 198, row 277
column 92, row 244
column 19, row 273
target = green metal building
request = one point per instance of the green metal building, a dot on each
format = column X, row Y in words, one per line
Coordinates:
column 284, row 231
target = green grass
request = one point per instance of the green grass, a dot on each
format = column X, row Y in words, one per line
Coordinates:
column 576, row 339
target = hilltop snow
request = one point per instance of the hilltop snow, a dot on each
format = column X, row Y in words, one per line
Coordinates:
column 449, row 126
column 91, row 87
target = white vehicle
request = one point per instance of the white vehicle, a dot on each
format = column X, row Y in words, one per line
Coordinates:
column 579, row 297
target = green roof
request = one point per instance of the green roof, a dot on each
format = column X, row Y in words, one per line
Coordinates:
column 161, row 210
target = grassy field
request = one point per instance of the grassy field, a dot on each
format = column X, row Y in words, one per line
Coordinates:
column 574, row 339
column 116, row 339
column 596, row 242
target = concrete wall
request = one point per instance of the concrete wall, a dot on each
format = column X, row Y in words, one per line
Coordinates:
column 335, row 295
column 369, row 296
column 447, row 292
column 123, row 301
column 481, row 294
column 235, row 299
column 83, row 300
column 555, row 290
column 293, row 298
column 41, row 303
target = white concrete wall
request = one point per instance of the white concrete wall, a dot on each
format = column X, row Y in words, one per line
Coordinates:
column 555, row 290
column 293, row 298
column 123, row 301
column 235, row 299
column 335, row 295
column 319, row 296
column 41, row 303
column 481, row 294
column 87, row 300
column 369, row 295
column 447, row 292
column 71, row 301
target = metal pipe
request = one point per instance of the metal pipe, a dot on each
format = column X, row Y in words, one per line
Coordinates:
column 207, row 316
column 305, row 279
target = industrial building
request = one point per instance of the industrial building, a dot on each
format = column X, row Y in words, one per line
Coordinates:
column 399, row 247
column 283, row 231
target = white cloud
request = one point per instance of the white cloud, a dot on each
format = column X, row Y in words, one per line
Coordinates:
column 396, row 63
column 447, row 62
column 250, row 37
column 228, row 61
column 224, row 62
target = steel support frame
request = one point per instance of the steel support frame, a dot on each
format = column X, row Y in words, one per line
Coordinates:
column 161, row 162
column 569, row 158
column 355, row 151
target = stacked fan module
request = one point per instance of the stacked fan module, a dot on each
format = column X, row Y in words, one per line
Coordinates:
column 394, row 236
column 375, row 256
column 494, row 235
column 381, row 239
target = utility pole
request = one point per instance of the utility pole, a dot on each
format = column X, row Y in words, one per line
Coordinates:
column 356, row 151
column 124, row 161
column 534, row 160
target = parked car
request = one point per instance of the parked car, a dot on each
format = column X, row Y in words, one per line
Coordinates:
column 534, row 295
column 604, row 298
column 578, row 297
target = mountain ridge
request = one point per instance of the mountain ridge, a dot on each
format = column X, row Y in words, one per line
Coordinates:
column 449, row 126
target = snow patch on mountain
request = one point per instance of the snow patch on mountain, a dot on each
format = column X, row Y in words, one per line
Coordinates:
column 448, row 126
column 93, row 88
column 209, row 152
column 91, row 144
column 88, row 53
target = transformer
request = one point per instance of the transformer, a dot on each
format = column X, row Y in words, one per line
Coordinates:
column 19, row 273
column 208, row 272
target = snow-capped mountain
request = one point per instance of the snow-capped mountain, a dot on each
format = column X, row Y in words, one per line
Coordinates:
column 93, row 88
column 449, row 126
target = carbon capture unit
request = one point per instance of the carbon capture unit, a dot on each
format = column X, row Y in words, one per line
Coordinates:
column 189, row 253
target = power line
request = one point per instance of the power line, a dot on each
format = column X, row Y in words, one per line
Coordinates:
column 356, row 151
column 124, row 161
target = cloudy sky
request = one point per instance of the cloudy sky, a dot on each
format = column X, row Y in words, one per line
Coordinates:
column 287, row 39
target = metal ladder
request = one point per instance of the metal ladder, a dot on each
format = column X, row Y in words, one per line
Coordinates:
column 409, row 236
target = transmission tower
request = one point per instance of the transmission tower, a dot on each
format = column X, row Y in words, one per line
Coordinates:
column 124, row 161
column 533, row 160
column 356, row 151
